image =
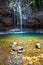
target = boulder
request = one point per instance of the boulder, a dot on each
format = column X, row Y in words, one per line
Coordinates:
column 38, row 46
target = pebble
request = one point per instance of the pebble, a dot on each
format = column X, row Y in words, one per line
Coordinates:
column 24, row 58
column 29, row 58
column 34, row 49
column 4, row 45
column 14, row 44
column 37, row 51
column 35, row 58
column 41, row 55
column 30, row 63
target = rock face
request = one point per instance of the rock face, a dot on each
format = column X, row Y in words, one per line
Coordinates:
column 9, row 21
column 35, row 21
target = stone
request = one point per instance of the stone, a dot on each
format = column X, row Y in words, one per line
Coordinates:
column 14, row 45
column 38, row 50
column 41, row 55
column 24, row 58
column 30, row 63
column 29, row 58
column 20, row 51
column 35, row 57
column 4, row 45
column 38, row 46
column 18, row 63
column 34, row 49
column 19, row 48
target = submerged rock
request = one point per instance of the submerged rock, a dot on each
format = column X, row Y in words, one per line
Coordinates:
column 38, row 46
column 16, row 48
column 14, row 45
column 18, row 63
column 20, row 51
column 19, row 48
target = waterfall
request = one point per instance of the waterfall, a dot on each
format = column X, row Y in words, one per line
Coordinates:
column 20, row 14
column 18, row 10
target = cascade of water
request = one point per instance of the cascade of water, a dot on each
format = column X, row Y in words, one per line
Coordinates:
column 12, row 5
column 20, row 13
column 18, row 3
column 17, row 9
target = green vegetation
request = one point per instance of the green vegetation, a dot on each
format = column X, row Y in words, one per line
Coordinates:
column 32, row 5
